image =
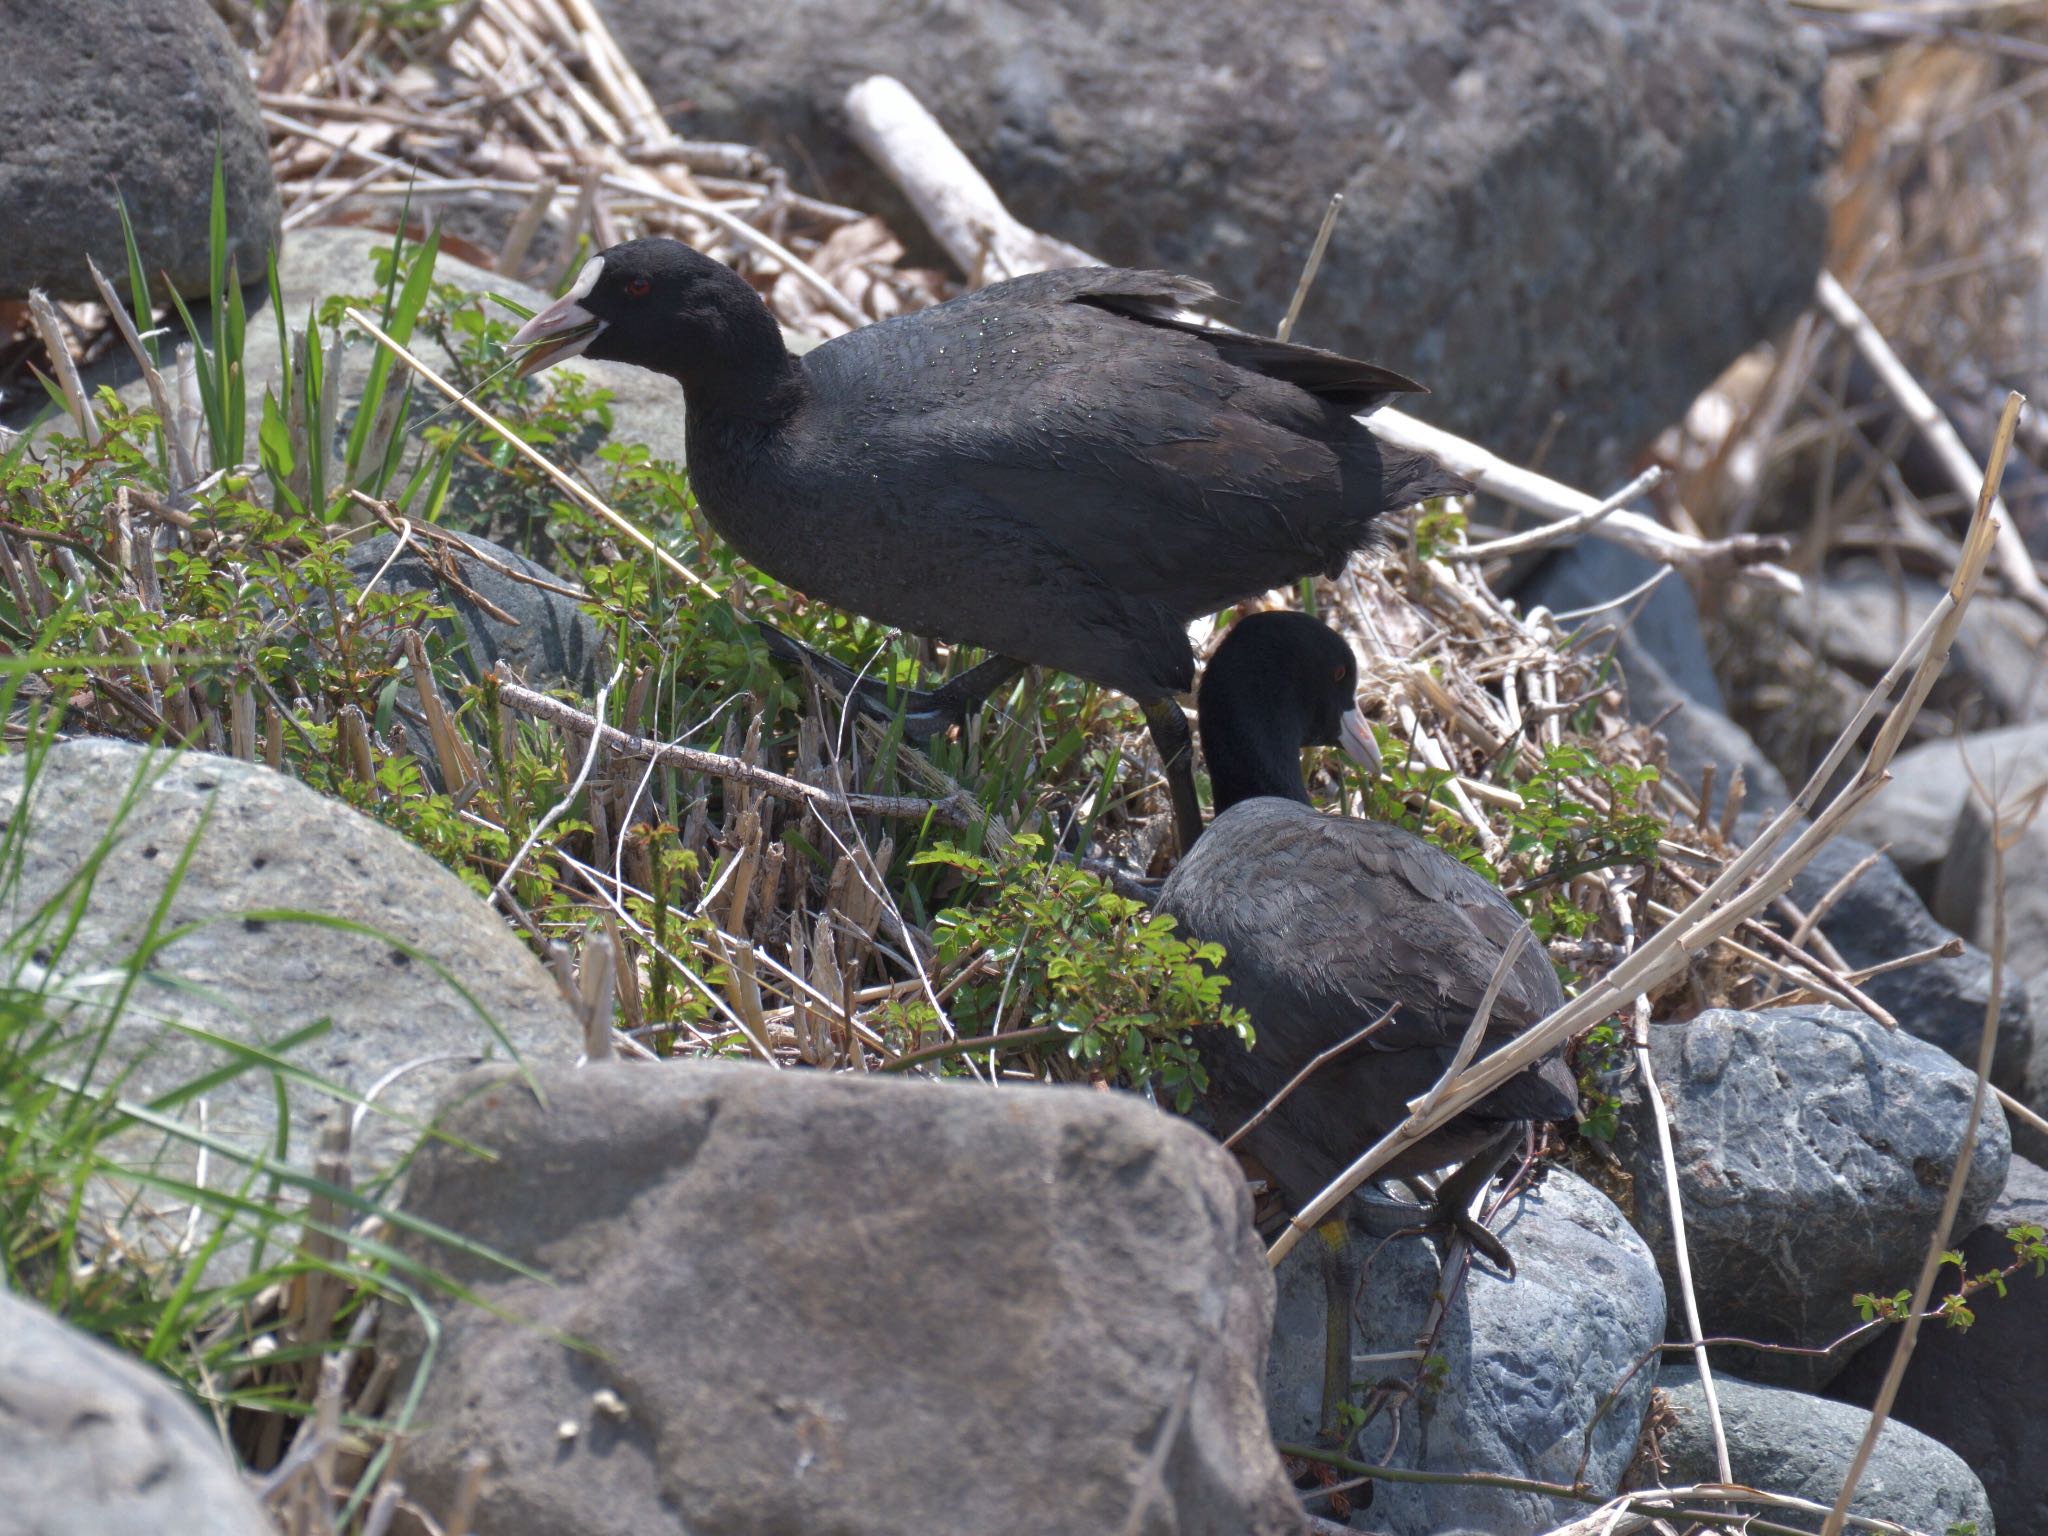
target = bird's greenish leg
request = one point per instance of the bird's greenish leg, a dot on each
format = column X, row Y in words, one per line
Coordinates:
column 1335, row 1250
column 926, row 712
column 1454, row 1197
column 1176, row 745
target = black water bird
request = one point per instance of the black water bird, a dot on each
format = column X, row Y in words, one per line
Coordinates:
column 1328, row 922
column 1061, row 469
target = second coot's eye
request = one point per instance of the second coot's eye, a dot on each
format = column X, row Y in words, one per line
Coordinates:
column 637, row 287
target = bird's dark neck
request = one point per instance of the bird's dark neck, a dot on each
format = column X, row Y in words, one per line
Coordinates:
column 1244, row 764
column 740, row 369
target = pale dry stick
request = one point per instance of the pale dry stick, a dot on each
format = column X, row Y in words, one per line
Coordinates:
column 519, row 238
column 1563, row 532
column 1948, row 950
column 2020, row 1112
column 2003, row 836
column 1808, row 925
column 2015, row 563
column 956, row 203
column 582, row 215
column 1674, row 1202
column 1725, row 902
column 587, row 499
column 1310, row 267
column 317, row 197
column 955, row 811
column 43, row 315
column 1475, row 1031
column 1316, row 1062
column 151, row 378
column 1547, row 498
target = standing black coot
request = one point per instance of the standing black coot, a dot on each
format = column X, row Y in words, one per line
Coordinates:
column 1327, row 922
column 1054, row 468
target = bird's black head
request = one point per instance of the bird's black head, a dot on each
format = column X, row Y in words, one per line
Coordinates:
column 659, row 304
column 1279, row 682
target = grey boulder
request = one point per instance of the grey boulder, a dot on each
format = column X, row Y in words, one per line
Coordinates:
column 1916, row 813
column 104, row 100
column 1788, row 1442
column 388, row 946
column 1978, row 1390
column 1859, row 616
column 1528, row 1363
column 788, row 1301
column 1813, row 1149
column 1879, row 917
column 1524, row 182
column 94, row 1444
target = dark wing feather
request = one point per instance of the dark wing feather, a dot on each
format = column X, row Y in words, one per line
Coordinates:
column 1183, row 466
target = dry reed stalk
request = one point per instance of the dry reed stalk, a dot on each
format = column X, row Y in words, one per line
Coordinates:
column 2015, row 562
column 2008, row 825
column 50, row 328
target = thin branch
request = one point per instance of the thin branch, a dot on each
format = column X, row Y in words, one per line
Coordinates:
column 1310, row 267
column 1561, row 532
column 2002, row 837
column 1329, row 1053
column 1667, row 1156
column 958, row 810
column 1749, row 554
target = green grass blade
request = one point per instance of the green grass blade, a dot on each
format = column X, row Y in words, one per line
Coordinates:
column 402, row 312
column 209, row 396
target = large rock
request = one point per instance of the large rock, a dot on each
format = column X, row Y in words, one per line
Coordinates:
column 102, row 100
column 1523, row 181
column 1880, row 917
column 1814, row 1148
column 1916, row 813
column 1528, row 1362
column 1787, row 1442
column 831, row 1304
column 1978, row 1390
column 93, row 1443
column 262, row 843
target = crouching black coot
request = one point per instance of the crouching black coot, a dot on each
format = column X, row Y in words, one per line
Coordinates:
column 1327, row 922
column 1055, row 468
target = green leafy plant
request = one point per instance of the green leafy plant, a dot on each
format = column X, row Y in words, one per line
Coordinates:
column 1050, row 951
column 2029, row 1252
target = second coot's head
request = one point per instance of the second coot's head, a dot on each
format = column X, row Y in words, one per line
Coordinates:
column 1279, row 682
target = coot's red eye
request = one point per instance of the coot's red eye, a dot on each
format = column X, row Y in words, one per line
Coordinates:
column 637, row 287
